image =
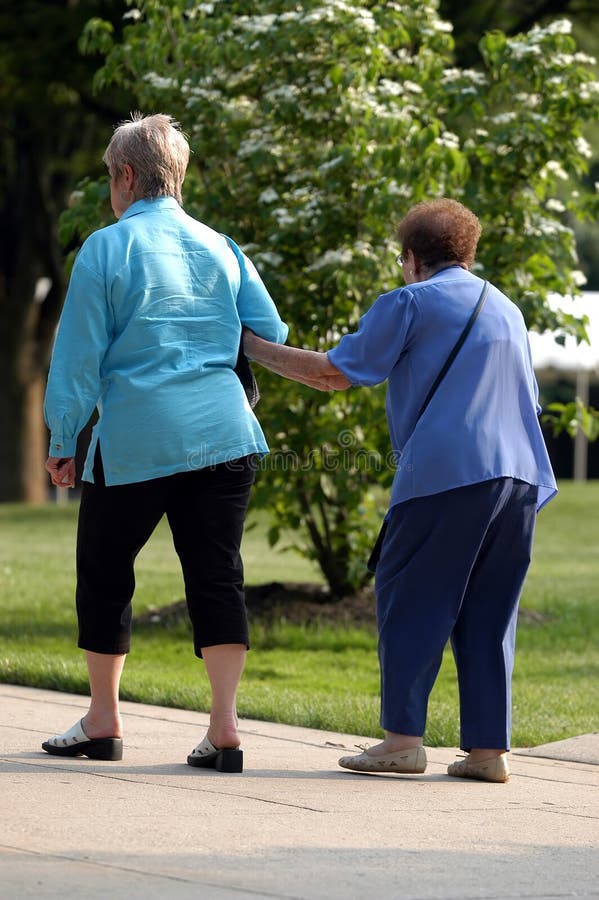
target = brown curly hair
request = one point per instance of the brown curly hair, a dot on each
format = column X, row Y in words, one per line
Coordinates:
column 438, row 231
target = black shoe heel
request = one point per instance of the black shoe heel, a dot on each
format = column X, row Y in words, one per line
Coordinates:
column 229, row 761
column 105, row 748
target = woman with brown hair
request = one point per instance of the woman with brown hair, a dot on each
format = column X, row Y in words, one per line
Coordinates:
column 471, row 472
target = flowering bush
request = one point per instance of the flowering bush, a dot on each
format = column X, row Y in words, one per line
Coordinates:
column 314, row 126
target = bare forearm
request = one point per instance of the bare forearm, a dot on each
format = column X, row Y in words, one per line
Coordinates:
column 306, row 366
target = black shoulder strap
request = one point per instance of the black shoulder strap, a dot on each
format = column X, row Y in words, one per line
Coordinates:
column 456, row 349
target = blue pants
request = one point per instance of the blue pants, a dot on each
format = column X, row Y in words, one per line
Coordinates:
column 452, row 567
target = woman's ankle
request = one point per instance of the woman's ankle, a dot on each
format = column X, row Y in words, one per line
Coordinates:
column 102, row 726
column 222, row 731
column 477, row 754
column 394, row 741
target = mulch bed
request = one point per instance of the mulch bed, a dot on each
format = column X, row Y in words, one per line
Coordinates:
column 300, row 604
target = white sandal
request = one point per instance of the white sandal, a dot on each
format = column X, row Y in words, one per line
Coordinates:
column 75, row 742
column 207, row 756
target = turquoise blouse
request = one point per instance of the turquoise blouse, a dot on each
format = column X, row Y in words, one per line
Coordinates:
column 149, row 335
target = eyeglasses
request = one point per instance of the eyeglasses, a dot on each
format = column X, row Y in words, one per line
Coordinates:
column 400, row 259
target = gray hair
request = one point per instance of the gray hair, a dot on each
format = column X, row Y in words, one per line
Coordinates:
column 157, row 151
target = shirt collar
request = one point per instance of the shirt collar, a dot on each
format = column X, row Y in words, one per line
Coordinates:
column 154, row 203
column 450, row 270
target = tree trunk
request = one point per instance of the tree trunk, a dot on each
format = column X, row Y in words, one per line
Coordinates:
column 23, row 440
column 333, row 563
column 30, row 252
column 53, row 131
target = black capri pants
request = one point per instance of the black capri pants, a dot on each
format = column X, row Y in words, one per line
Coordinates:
column 206, row 511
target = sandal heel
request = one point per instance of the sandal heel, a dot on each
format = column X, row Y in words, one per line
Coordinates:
column 107, row 748
column 229, row 760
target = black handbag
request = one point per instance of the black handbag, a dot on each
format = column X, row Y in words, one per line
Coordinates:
column 376, row 550
column 242, row 368
column 244, row 372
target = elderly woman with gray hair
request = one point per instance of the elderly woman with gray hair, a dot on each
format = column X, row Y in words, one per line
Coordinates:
column 150, row 334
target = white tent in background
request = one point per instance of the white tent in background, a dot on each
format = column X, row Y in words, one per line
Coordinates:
column 580, row 362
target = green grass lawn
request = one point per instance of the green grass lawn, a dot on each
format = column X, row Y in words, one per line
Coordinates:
column 309, row 675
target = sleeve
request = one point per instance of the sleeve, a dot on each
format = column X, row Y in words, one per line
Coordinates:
column 83, row 336
column 535, row 385
column 255, row 306
column 368, row 355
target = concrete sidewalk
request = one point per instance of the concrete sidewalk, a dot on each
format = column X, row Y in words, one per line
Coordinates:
column 293, row 825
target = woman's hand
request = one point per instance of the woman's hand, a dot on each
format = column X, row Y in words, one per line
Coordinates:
column 62, row 471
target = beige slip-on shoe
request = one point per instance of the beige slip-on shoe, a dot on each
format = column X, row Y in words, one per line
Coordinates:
column 493, row 769
column 401, row 762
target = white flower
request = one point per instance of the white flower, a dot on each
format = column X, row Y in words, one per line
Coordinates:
column 585, row 59
column 554, row 168
column 588, row 91
column 133, row 14
column 258, row 140
column 197, row 93
column 562, row 59
column 74, row 198
column 398, row 190
column 257, row 24
column 560, row 26
column 366, row 20
column 267, row 258
column 555, row 206
column 389, row 88
column 528, row 99
column 578, row 277
column 452, row 75
column 283, row 216
column 283, row 92
column 545, row 228
column 448, row 139
column 519, row 51
column 333, row 258
column 330, row 164
column 363, row 248
column 583, row 147
column 159, row 82
column 503, row 118
column 268, row 196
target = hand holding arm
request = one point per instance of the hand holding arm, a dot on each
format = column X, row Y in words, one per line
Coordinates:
column 306, row 366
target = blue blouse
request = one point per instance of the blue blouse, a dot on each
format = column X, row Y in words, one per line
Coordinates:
column 482, row 422
column 149, row 334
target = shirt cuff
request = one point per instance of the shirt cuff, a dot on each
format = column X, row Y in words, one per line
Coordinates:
column 62, row 447
column 332, row 358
